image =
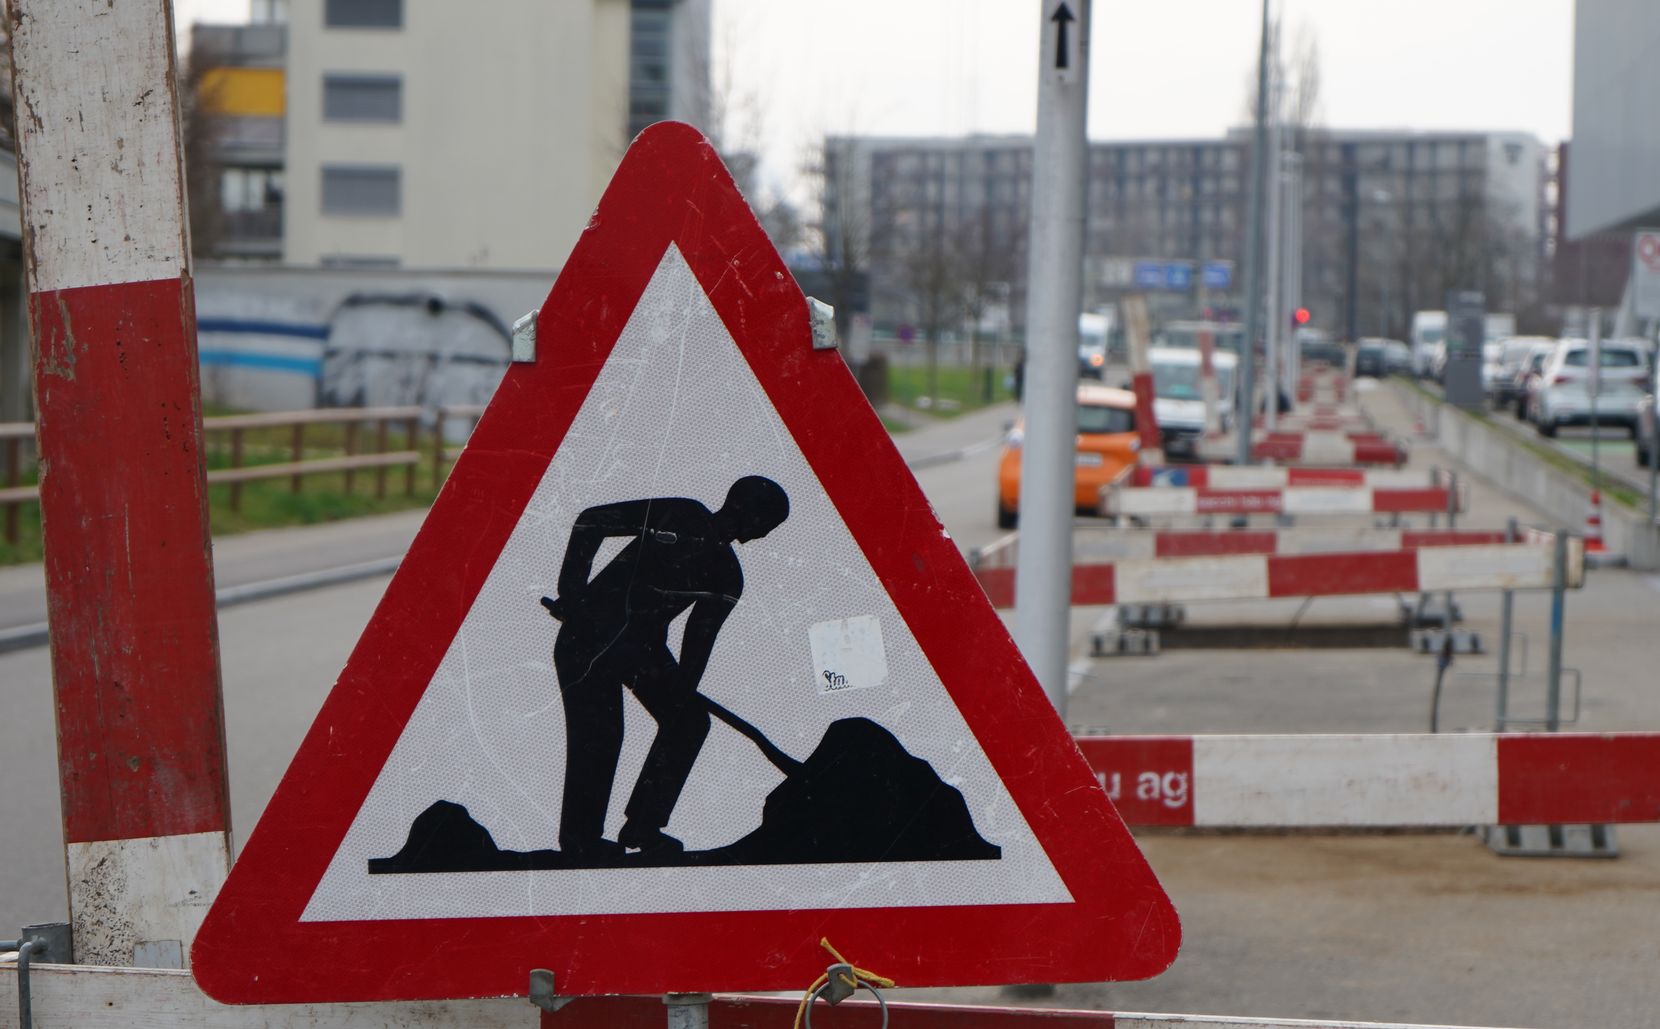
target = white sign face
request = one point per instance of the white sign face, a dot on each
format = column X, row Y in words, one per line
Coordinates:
column 807, row 640
column 1645, row 273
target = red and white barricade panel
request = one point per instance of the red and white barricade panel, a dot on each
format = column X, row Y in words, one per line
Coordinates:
column 1320, row 423
column 1230, row 476
column 1140, row 544
column 1176, row 580
column 1315, row 448
column 1144, row 501
column 1446, row 779
column 82, row 995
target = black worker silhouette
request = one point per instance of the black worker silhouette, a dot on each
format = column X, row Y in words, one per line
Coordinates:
column 613, row 635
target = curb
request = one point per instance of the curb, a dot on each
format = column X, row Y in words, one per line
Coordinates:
column 23, row 637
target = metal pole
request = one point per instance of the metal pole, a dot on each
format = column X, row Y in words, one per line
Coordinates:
column 1653, row 422
column 1276, row 183
column 1558, row 596
column 1594, row 359
column 1043, row 570
column 687, row 1010
column 1253, row 253
column 1293, row 265
column 1507, row 601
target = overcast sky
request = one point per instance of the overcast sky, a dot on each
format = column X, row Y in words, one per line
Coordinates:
column 1160, row 68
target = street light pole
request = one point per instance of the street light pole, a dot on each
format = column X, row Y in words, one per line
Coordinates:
column 1253, row 254
column 1043, row 564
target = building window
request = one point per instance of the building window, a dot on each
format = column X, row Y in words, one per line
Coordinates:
column 649, row 32
column 362, row 98
column 362, row 190
column 363, row 14
column 250, row 189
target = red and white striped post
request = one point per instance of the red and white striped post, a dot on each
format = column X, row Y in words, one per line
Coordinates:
column 1138, row 338
column 1209, row 394
column 129, row 578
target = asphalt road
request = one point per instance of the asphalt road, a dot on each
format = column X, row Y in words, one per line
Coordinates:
column 1426, row 928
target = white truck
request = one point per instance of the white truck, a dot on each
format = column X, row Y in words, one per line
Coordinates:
column 1429, row 340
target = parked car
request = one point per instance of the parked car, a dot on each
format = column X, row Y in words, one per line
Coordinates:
column 1492, row 366
column 1645, row 430
column 1397, row 357
column 1563, row 396
column 1527, row 377
column 1372, row 358
column 1507, row 385
column 1107, row 444
column 1327, row 351
column 1438, row 361
column 1178, row 403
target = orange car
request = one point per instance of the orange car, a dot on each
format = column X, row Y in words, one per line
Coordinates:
column 1107, row 444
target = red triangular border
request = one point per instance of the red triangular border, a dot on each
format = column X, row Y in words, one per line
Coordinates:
column 671, row 187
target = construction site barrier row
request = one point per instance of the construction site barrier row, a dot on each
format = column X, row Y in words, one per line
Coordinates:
column 1503, row 566
column 1227, row 476
column 1117, row 499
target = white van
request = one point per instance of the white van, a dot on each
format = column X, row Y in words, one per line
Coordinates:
column 1429, row 340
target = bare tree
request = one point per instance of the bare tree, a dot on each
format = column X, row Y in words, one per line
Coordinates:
column 932, row 266
column 988, row 268
column 840, row 231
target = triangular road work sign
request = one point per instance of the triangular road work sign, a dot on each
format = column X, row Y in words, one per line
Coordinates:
column 681, row 675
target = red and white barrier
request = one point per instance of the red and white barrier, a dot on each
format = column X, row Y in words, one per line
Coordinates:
column 1177, row 580
column 1448, row 779
column 129, row 580
column 74, row 995
column 1321, row 423
column 1227, row 476
column 1149, row 501
column 1314, row 448
column 1145, row 544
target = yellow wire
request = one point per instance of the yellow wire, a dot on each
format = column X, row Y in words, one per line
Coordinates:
column 858, row 973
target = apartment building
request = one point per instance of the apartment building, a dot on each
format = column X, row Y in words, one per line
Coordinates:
column 1390, row 219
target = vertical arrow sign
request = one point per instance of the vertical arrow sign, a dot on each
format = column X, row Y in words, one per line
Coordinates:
column 1062, row 18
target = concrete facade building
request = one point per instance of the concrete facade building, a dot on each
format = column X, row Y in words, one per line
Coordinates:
column 1616, row 179
column 1391, row 220
column 424, row 136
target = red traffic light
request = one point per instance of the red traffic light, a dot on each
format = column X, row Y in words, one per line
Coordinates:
column 1299, row 317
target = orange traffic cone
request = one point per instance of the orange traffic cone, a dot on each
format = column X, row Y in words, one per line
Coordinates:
column 1593, row 524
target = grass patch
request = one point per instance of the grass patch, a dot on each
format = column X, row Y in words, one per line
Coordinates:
column 957, row 390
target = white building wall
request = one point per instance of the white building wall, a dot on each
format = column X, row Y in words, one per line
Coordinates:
column 512, row 122
column 1615, row 179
